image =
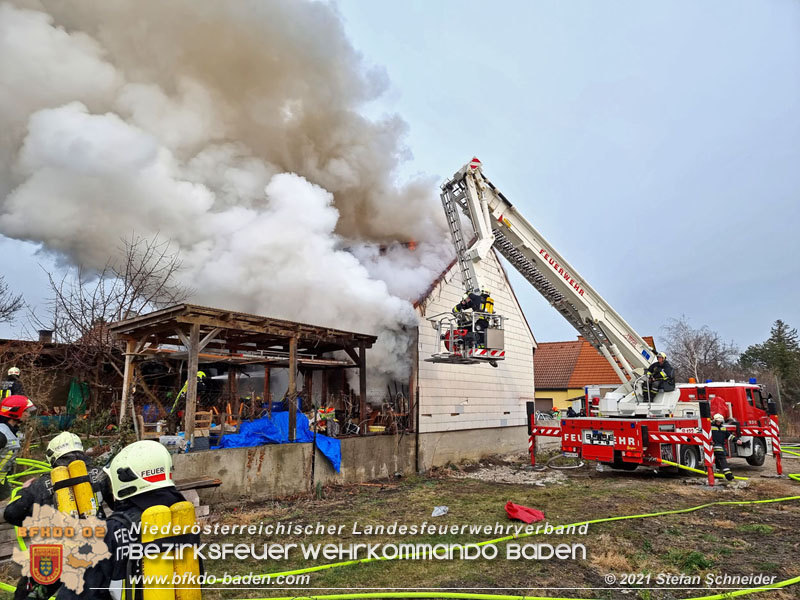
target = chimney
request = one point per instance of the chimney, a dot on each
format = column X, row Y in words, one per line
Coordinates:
column 46, row 336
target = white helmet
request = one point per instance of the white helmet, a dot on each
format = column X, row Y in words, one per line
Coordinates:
column 140, row 467
column 718, row 417
column 62, row 444
column 13, row 371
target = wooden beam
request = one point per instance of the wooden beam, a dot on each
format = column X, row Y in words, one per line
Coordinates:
column 191, row 388
column 352, row 354
column 182, row 337
column 362, row 384
column 204, row 342
column 291, row 393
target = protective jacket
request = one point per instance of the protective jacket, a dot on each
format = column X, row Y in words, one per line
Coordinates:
column 664, row 373
column 720, row 435
column 41, row 491
column 122, row 530
column 475, row 302
column 9, row 447
column 11, row 387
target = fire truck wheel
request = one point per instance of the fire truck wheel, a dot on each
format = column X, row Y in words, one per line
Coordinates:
column 759, row 453
column 690, row 457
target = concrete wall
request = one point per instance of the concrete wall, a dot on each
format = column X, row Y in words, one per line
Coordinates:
column 275, row 471
column 440, row 448
column 466, row 397
column 437, row 449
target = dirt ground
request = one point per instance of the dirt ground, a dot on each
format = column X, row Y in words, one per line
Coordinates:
column 638, row 554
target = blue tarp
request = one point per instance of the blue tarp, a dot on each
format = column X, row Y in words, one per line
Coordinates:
column 275, row 430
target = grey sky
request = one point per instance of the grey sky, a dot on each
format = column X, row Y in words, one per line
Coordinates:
column 654, row 144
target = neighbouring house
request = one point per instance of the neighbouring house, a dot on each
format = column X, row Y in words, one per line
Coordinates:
column 563, row 369
column 470, row 411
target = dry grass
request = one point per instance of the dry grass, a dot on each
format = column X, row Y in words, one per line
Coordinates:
column 612, row 561
column 723, row 524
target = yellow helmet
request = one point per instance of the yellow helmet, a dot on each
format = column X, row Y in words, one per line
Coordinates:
column 201, row 375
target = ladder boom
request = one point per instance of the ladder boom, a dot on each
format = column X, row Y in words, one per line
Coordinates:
column 498, row 224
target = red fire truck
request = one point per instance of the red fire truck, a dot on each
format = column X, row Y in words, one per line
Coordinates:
column 628, row 442
column 625, row 428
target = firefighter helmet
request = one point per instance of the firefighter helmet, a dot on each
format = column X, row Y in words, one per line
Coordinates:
column 201, row 375
column 718, row 417
column 13, row 371
column 662, row 355
column 140, row 467
column 62, row 444
column 14, row 407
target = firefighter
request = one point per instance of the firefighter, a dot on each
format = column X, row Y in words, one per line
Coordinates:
column 13, row 411
column 12, row 386
column 660, row 377
column 62, row 451
column 175, row 412
column 478, row 302
column 141, row 479
column 720, row 436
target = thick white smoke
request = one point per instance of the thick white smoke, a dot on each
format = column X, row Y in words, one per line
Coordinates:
column 231, row 128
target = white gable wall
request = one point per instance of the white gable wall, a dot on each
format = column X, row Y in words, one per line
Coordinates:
column 457, row 397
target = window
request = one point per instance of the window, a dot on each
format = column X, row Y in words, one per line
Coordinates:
column 750, row 397
column 758, row 400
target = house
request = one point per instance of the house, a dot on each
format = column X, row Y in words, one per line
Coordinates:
column 470, row 411
column 563, row 369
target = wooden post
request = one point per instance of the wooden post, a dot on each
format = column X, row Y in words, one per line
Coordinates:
column 291, row 393
column 362, row 385
column 324, row 390
column 233, row 389
column 308, row 386
column 191, row 380
column 267, row 394
column 127, row 380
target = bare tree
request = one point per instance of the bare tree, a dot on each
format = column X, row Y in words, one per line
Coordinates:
column 9, row 303
column 140, row 279
column 699, row 353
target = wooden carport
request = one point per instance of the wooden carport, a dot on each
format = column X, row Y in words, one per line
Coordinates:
column 202, row 334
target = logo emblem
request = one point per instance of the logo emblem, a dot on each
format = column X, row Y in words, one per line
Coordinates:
column 46, row 563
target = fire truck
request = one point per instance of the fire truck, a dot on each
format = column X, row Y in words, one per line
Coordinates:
column 625, row 428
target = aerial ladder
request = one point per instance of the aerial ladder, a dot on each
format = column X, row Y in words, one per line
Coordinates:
column 498, row 225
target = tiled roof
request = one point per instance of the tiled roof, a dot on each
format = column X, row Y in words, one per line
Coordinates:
column 566, row 365
column 553, row 364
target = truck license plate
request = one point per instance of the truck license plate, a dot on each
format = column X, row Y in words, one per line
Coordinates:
column 570, row 454
column 598, row 438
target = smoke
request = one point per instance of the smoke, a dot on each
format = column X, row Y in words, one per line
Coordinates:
column 231, row 128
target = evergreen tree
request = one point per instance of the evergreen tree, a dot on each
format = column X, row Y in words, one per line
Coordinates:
column 780, row 354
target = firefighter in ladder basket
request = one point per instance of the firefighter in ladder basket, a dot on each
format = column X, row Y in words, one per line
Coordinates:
column 478, row 302
column 660, row 377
